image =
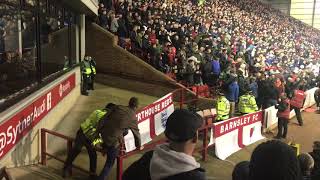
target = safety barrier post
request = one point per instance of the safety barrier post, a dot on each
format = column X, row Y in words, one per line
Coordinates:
column 43, row 147
column 119, row 167
column 204, row 145
column 69, row 148
column 181, row 98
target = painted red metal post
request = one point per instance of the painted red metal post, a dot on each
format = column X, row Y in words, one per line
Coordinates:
column 43, row 147
column 205, row 144
column 181, row 98
column 119, row 167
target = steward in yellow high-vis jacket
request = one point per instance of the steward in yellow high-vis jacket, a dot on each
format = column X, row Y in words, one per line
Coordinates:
column 88, row 71
column 247, row 103
column 87, row 136
column 223, row 107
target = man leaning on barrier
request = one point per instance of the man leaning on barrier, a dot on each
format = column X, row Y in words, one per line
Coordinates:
column 112, row 128
column 172, row 160
column 87, row 136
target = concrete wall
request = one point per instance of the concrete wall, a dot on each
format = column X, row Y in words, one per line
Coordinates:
column 113, row 60
column 27, row 150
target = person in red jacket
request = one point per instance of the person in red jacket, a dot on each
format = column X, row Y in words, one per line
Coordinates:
column 283, row 116
column 153, row 37
column 297, row 102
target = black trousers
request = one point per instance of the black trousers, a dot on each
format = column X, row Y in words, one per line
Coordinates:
column 298, row 115
column 91, row 82
column 85, row 83
column 80, row 141
column 282, row 127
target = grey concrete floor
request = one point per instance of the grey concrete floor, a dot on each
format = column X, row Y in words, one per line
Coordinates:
column 216, row 169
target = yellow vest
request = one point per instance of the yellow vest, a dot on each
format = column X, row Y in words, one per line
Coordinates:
column 247, row 104
column 87, row 68
column 89, row 126
column 223, row 108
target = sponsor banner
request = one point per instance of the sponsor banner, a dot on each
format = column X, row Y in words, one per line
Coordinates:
column 151, row 121
column 310, row 101
column 270, row 117
column 15, row 128
column 234, row 134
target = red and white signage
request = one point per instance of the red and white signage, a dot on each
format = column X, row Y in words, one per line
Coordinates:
column 15, row 128
column 151, row 121
column 234, row 134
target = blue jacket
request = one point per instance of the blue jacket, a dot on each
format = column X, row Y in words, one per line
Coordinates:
column 233, row 92
column 254, row 88
column 216, row 67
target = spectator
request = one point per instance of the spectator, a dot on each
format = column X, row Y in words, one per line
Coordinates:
column 112, row 128
column 316, row 157
column 215, row 70
column 114, row 24
column 122, row 28
column 233, row 96
column 103, row 19
column 190, row 70
column 253, row 86
column 274, row 160
column 241, row 171
column 173, row 160
column 283, row 116
column 306, row 164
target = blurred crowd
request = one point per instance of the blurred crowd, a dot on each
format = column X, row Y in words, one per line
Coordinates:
column 219, row 42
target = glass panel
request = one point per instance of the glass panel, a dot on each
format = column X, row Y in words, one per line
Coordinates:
column 73, row 40
column 54, row 48
column 17, row 50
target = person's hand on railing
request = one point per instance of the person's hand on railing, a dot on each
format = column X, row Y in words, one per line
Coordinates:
column 140, row 148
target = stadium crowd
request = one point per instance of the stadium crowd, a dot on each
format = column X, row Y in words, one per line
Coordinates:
column 238, row 46
column 220, row 43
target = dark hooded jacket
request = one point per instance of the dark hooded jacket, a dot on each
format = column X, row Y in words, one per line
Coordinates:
column 164, row 164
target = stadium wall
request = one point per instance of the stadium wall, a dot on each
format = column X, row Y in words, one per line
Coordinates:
column 26, row 151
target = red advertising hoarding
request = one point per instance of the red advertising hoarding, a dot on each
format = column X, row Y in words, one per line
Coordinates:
column 15, row 128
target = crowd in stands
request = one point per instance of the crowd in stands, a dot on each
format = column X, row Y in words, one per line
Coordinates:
column 221, row 43
column 273, row 159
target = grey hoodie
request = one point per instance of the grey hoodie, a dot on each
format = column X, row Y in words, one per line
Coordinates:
column 166, row 162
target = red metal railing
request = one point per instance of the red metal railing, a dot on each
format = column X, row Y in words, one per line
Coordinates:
column 44, row 152
column 182, row 100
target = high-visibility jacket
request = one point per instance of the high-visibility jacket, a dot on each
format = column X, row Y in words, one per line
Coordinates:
column 89, row 126
column 223, row 108
column 298, row 99
column 286, row 113
column 247, row 104
column 87, row 68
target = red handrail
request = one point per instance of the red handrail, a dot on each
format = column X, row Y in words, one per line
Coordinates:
column 44, row 152
column 122, row 155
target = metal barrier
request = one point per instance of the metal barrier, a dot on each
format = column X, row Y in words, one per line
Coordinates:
column 180, row 95
column 44, row 152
